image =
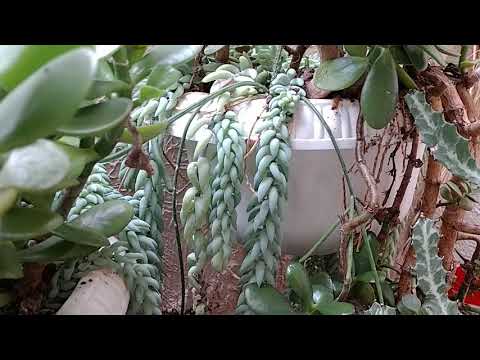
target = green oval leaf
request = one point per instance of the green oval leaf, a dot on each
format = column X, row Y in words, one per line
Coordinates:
column 78, row 159
column 356, row 50
column 163, row 76
column 399, row 55
column 54, row 249
column 148, row 92
column 212, row 49
column 36, row 167
column 298, row 281
column 10, row 266
column 27, row 223
column 417, row 56
column 360, row 258
column 363, row 293
column 163, row 55
column 335, row 308
column 108, row 218
column 341, row 73
column 46, row 99
column 18, row 62
column 321, row 294
column 81, row 235
column 95, row 120
column 266, row 301
column 101, row 88
column 147, row 132
column 380, row 92
column 322, row 278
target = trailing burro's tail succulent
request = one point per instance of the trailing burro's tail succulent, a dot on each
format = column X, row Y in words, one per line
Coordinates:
column 227, row 178
column 270, row 183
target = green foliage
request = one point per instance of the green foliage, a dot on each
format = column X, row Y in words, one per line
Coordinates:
column 442, row 137
column 431, row 276
column 380, row 91
column 341, row 73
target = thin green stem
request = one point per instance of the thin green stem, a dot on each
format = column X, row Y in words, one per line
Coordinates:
column 335, row 145
column 405, row 78
column 373, row 266
column 463, row 56
column 174, row 210
column 324, row 237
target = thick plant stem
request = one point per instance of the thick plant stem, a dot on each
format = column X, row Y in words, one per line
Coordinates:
column 373, row 266
column 223, row 55
column 428, row 207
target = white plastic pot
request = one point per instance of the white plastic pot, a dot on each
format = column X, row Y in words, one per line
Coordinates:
column 100, row 292
column 315, row 194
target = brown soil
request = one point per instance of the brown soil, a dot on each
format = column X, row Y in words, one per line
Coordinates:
column 221, row 290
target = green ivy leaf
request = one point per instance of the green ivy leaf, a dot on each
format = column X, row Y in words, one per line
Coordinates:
column 10, row 266
column 298, row 281
column 27, row 223
column 18, row 62
column 340, row 73
column 163, row 76
column 380, row 92
column 417, row 56
column 335, row 308
column 81, row 235
column 49, row 97
column 266, row 301
column 356, row 50
column 95, row 120
column 447, row 145
column 108, row 218
column 148, row 92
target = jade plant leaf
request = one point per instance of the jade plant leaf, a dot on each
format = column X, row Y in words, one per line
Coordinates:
column 340, row 73
column 163, row 76
column 212, row 49
column 147, row 132
column 298, row 281
column 108, row 218
column 356, row 50
column 417, row 56
column 10, row 266
column 95, row 120
column 101, row 88
column 266, row 301
column 36, row 167
column 54, row 249
column 380, row 91
column 447, row 145
column 334, row 308
column 18, row 62
column 163, row 55
column 148, row 92
column 321, row 294
column 363, row 293
column 46, row 99
column 81, row 235
column 27, row 223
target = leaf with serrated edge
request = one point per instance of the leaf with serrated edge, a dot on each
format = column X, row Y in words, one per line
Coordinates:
column 447, row 145
column 431, row 276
